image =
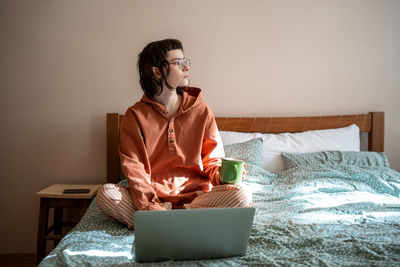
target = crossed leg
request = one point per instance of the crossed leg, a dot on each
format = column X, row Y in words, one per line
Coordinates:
column 115, row 200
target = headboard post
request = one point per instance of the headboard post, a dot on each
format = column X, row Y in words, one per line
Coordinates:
column 376, row 137
column 112, row 147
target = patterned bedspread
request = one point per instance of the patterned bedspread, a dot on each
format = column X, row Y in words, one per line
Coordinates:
column 310, row 215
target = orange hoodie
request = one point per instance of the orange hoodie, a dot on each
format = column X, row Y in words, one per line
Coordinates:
column 168, row 159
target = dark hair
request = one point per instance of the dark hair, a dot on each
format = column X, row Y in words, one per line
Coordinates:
column 155, row 55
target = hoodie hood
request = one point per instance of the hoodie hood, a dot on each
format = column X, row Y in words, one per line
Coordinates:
column 191, row 97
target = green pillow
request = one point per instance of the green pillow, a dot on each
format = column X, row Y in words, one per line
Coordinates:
column 249, row 151
column 356, row 158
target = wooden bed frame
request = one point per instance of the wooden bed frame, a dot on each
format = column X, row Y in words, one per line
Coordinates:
column 372, row 123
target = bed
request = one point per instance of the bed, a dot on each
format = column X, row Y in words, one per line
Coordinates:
column 319, row 200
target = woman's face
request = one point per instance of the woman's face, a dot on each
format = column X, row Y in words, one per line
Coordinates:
column 179, row 70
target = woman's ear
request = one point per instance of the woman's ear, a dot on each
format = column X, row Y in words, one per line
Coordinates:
column 156, row 72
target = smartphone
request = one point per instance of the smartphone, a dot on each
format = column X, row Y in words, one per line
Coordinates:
column 76, row 191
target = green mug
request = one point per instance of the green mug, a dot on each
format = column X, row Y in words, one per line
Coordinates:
column 232, row 170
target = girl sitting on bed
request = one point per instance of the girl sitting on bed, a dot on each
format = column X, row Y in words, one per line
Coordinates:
column 170, row 147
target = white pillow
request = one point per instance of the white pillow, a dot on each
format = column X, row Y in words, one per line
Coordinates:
column 340, row 139
column 229, row 138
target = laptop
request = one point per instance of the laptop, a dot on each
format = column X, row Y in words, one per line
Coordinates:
column 192, row 234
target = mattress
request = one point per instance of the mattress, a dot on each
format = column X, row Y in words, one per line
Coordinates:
column 311, row 214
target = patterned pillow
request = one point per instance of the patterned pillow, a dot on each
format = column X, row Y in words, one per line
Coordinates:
column 249, row 151
column 361, row 159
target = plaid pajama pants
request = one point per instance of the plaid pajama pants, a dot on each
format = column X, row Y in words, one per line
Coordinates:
column 115, row 200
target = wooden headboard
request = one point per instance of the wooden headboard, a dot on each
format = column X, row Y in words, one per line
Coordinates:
column 372, row 123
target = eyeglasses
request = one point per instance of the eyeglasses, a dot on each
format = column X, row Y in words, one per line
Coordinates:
column 182, row 63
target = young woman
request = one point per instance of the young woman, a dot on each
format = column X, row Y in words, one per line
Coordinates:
column 170, row 147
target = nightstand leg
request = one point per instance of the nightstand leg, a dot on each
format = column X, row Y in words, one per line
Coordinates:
column 42, row 228
column 58, row 216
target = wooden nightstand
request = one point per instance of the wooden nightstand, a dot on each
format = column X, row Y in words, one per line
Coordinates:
column 53, row 197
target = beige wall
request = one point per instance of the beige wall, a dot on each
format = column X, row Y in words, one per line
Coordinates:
column 64, row 64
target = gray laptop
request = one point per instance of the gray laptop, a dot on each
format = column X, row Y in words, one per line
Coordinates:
column 192, row 234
